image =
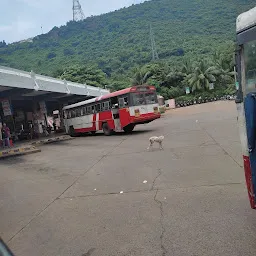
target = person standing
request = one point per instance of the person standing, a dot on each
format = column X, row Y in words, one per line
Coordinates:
column 54, row 126
column 6, row 134
column 1, row 135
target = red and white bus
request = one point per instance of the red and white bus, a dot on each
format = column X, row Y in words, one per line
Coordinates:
column 117, row 111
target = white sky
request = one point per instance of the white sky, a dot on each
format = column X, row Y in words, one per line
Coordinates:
column 21, row 19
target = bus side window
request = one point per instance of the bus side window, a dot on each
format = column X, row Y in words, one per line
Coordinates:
column 69, row 114
column 93, row 109
column 73, row 114
column 123, row 102
column 65, row 114
column 105, row 106
column 98, row 107
column 78, row 112
column 84, row 111
column 89, row 110
column 114, row 102
column 126, row 102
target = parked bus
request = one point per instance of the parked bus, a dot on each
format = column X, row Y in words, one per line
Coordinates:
column 118, row 111
column 246, row 97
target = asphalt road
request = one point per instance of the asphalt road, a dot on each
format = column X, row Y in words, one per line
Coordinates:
column 189, row 199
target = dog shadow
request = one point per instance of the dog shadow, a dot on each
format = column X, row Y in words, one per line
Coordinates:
column 154, row 149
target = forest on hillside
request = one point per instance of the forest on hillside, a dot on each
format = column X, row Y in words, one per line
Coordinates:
column 194, row 40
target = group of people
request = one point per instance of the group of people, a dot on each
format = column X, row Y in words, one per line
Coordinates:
column 5, row 136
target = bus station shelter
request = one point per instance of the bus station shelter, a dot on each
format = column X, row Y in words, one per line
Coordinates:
column 28, row 99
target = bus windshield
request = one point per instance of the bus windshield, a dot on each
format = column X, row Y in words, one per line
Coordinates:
column 144, row 98
column 250, row 65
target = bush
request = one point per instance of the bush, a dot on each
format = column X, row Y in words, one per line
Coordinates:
column 162, row 109
column 67, row 52
column 51, row 55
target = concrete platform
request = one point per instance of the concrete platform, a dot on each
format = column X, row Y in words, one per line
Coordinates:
column 52, row 139
column 17, row 151
column 31, row 147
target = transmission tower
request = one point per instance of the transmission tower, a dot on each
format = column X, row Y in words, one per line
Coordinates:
column 153, row 45
column 78, row 13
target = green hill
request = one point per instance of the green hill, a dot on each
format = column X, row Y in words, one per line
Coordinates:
column 120, row 40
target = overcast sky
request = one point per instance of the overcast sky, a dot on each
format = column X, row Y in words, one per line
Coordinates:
column 21, row 19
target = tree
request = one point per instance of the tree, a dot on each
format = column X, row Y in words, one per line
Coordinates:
column 141, row 75
column 166, row 75
column 51, row 55
column 203, row 75
column 3, row 44
column 224, row 62
column 90, row 75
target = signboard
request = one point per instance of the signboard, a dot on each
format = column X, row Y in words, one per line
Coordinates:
column 237, row 86
column 172, row 103
column 187, row 90
column 211, row 86
column 43, row 107
column 6, row 107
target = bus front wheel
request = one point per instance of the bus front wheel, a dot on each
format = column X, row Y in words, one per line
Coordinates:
column 129, row 128
column 107, row 131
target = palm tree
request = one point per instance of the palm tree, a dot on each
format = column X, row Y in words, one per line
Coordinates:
column 160, row 71
column 186, row 67
column 141, row 75
column 166, row 75
column 203, row 75
column 179, row 76
column 225, row 65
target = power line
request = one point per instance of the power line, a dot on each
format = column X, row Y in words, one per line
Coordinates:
column 78, row 13
column 153, row 44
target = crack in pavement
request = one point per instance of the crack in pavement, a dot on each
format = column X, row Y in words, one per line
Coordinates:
column 58, row 197
column 104, row 194
column 89, row 253
column 164, row 250
column 150, row 190
column 154, row 181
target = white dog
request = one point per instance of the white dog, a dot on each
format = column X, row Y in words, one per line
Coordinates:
column 154, row 139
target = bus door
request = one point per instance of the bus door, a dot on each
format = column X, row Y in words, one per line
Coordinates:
column 124, row 111
column 116, row 114
column 246, row 106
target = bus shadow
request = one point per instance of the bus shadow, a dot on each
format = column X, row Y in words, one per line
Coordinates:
column 99, row 134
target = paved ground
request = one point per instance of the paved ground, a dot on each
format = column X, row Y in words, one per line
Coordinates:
column 66, row 200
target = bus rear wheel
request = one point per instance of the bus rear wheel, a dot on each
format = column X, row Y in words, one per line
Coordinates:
column 72, row 131
column 107, row 131
column 129, row 128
